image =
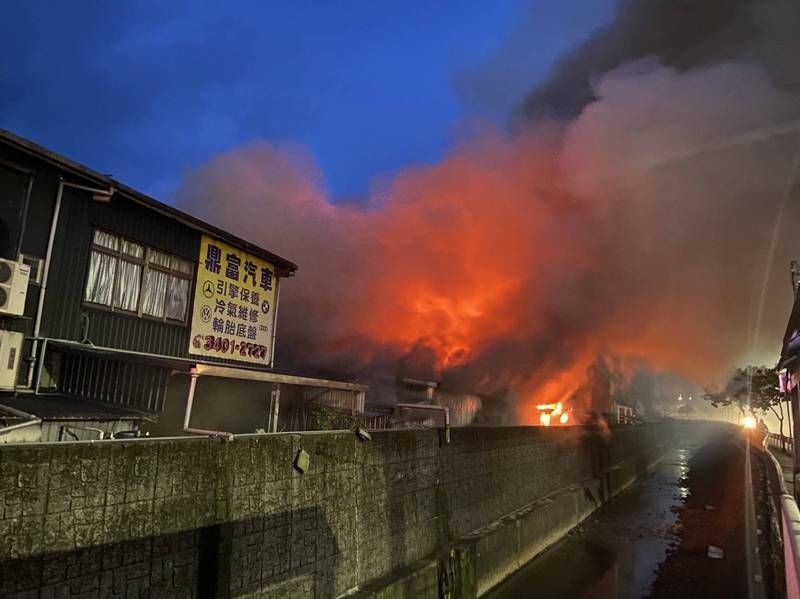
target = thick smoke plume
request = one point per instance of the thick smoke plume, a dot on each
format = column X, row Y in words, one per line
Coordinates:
column 682, row 34
column 635, row 226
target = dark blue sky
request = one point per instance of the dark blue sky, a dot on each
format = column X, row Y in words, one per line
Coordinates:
column 147, row 90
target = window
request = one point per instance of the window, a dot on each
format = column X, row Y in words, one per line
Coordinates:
column 128, row 277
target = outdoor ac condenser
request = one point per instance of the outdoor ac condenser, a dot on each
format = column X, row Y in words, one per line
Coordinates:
column 13, row 286
column 10, row 350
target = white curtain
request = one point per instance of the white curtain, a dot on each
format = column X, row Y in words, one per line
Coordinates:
column 106, row 240
column 159, row 258
column 155, row 290
column 177, row 298
column 128, row 283
column 101, row 279
column 132, row 249
column 181, row 265
column 161, row 294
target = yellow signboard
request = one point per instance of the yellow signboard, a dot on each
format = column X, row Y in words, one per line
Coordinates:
column 234, row 305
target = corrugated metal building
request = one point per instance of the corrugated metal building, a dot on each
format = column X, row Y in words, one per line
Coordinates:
column 111, row 297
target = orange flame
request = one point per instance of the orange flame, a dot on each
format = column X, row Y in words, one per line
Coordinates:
column 514, row 262
column 549, row 411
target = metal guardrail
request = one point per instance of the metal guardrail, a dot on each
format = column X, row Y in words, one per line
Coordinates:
column 780, row 442
column 790, row 526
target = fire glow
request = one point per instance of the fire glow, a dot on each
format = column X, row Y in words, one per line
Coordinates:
column 552, row 414
column 507, row 268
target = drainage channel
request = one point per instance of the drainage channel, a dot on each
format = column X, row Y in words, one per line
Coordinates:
column 638, row 546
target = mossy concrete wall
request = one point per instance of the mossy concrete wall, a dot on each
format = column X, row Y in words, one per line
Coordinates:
column 402, row 515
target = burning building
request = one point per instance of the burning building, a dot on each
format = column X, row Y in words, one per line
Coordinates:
column 122, row 316
column 630, row 200
column 627, row 211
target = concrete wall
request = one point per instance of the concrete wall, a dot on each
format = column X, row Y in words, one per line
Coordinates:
column 402, row 515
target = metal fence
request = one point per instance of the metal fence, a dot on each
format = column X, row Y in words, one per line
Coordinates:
column 318, row 414
column 789, row 523
column 114, row 381
column 783, row 442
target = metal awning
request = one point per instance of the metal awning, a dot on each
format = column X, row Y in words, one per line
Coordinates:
column 112, row 352
column 206, row 370
column 55, row 406
column 202, row 368
column 275, row 377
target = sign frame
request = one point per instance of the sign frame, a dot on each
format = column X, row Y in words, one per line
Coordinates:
column 234, row 305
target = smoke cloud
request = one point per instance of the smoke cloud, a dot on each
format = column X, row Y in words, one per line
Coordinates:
column 634, row 227
column 682, row 34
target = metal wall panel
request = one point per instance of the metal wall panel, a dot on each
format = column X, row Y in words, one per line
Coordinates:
column 43, row 195
column 63, row 308
column 63, row 304
column 139, row 386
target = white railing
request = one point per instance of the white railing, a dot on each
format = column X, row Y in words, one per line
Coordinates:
column 781, row 442
column 790, row 526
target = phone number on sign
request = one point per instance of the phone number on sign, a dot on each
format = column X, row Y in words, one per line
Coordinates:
column 228, row 346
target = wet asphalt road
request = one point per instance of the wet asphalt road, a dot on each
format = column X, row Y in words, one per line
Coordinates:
column 652, row 540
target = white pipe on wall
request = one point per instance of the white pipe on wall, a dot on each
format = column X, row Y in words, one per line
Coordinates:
column 47, row 261
column 31, row 419
column 275, row 322
column 51, row 241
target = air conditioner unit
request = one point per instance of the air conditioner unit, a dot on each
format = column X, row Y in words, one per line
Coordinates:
column 14, row 278
column 10, row 351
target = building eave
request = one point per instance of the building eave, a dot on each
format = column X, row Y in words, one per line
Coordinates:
column 285, row 267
